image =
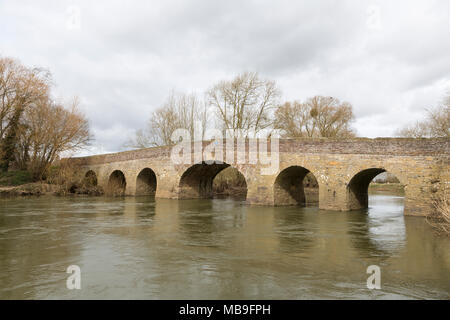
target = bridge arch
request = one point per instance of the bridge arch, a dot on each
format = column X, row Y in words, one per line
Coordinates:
column 146, row 183
column 358, row 186
column 289, row 187
column 116, row 184
column 90, row 178
column 197, row 180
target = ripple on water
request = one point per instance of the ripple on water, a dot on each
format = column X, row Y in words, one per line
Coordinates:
column 216, row 249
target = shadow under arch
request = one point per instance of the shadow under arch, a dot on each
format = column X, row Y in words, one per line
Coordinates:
column 90, row 179
column 146, row 183
column 295, row 185
column 197, row 181
column 358, row 187
column 116, row 184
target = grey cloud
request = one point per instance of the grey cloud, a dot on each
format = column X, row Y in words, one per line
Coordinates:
column 128, row 55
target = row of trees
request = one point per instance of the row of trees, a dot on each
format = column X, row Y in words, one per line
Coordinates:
column 178, row 111
column 245, row 105
column 34, row 129
column 248, row 104
column 317, row 117
column 436, row 124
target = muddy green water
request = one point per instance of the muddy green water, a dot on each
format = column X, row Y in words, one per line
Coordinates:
column 216, row 249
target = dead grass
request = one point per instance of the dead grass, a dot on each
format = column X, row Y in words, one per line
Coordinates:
column 115, row 188
column 439, row 219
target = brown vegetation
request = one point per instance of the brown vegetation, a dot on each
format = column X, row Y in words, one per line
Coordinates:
column 439, row 219
column 317, row 117
column 34, row 130
column 20, row 89
column 48, row 130
column 391, row 188
column 66, row 175
column 230, row 183
column 243, row 104
column 178, row 111
column 116, row 184
column 30, row 189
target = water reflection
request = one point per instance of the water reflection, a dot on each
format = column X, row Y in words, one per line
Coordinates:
column 296, row 232
column 215, row 249
column 208, row 223
column 380, row 230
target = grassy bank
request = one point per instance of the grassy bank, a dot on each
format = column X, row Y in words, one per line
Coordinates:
column 391, row 188
column 30, row 189
column 15, row 178
column 20, row 183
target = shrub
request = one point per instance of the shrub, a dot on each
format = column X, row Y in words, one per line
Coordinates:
column 15, row 178
column 440, row 217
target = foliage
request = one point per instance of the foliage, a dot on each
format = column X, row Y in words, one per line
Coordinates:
column 66, row 174
column 20, row 89
column 440, row 217
column 227, row 179
column 34, row 130
column 47, row 131
column 15, row 178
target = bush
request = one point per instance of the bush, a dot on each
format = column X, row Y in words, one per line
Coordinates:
column 67, row 175
column 440, row 217
column 15, row 178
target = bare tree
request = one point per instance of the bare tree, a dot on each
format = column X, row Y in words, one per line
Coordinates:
column 294, row 120
column 20, row 88
column 437, row 123
column 244, row 103
column 184, row 111
column 47, row 131
column 318, row 117
column 416, row 130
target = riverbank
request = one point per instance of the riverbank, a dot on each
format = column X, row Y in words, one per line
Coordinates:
column 29, row 189
column 391, row 188
column 43, row 188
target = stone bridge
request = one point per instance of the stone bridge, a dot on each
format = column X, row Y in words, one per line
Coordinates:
column 342, row 168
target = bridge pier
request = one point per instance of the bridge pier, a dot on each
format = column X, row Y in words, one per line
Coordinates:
column 167, row 186
column 333, row 198
column 260, row 190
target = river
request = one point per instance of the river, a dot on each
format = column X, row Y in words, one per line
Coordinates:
column 138, row 248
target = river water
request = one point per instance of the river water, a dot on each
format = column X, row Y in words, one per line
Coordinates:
column 138, row 248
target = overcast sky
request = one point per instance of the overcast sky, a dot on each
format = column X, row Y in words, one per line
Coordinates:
column 389, row 59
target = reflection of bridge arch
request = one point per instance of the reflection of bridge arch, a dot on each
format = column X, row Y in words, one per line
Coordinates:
column 358, row 187
column 289, row 187
column 197, row 180
column 146, row 183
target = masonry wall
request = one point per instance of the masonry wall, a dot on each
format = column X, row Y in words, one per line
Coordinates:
column 421, row 165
